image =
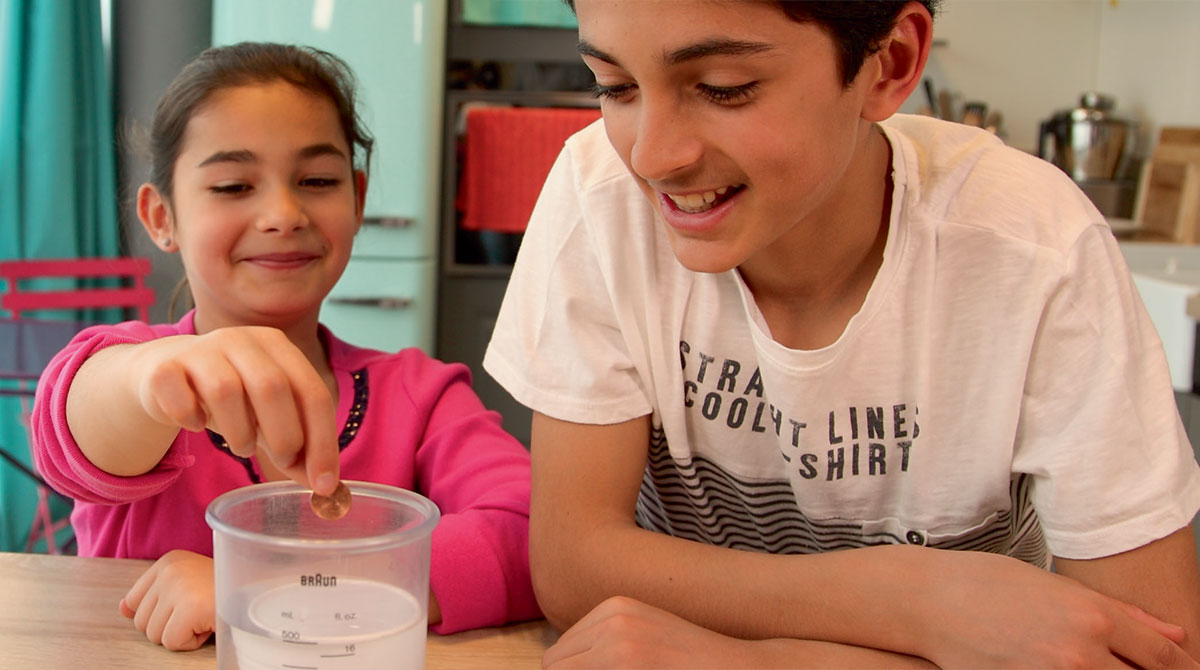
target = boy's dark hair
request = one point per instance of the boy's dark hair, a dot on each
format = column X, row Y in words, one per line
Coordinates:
column 242, row 64
column 856, row 26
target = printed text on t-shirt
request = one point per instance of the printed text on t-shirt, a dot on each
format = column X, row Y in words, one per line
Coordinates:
column 870, row 440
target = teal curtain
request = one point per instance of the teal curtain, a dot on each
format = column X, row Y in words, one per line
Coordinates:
column 57, row 173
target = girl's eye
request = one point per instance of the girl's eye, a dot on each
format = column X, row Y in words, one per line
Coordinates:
column 611, row 92
column 230, row 189
column 728, row 95
column 320, row 182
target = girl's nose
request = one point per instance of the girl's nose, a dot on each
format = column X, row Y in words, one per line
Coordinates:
column 664, row 145
column 283, row 212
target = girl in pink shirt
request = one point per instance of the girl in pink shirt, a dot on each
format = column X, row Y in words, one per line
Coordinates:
column 254, row 182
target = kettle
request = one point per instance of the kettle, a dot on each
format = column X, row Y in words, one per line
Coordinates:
column 1088, row 142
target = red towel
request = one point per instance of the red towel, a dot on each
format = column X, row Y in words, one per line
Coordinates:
column 509, row 152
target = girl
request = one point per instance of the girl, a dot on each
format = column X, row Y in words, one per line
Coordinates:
column 254, row 182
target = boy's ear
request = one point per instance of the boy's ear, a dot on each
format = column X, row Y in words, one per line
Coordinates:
column 901, row 60
column 154, row 212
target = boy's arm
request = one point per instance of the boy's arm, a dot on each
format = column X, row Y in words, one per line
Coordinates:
column 1162, row 578
column 954, row 608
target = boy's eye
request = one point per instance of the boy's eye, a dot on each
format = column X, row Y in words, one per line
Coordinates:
column 728, row 95
column 611, row 92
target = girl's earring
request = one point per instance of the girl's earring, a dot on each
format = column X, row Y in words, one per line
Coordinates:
column 165, row 243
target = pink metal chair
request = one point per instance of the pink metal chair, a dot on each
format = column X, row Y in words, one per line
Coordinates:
column 19, row 298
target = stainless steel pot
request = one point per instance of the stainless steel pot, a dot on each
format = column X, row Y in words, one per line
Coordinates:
column 1087, row 142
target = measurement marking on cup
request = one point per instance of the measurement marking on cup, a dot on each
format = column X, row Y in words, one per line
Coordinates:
column 336, row 655
column 300, row 667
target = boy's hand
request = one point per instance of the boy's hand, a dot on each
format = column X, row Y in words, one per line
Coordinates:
column 255, row 388
column 626, row 633
column 1001, row 612
column 172, row 602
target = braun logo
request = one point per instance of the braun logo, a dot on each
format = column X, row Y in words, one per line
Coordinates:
column 318, row 580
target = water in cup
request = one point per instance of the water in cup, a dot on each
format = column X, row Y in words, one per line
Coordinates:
column 324, row 623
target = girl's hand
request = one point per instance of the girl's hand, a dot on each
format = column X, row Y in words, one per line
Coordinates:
column 255, row 388
column 173, row 602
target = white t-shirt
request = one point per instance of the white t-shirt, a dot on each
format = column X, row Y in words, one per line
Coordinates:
column 1000, row 389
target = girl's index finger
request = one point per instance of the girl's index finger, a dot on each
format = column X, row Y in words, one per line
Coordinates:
column 320, row 444
column 317, row 464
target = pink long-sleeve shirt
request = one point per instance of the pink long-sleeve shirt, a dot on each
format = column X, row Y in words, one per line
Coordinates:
column 407, row 420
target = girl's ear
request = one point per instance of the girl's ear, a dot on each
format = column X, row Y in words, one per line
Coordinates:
column 900, row 62
column 360, row 193
column 155, row 214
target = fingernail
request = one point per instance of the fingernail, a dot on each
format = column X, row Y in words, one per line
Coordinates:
column 325, row 483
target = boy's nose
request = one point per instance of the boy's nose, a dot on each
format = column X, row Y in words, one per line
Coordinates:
column 664, row 143
column 283, row 212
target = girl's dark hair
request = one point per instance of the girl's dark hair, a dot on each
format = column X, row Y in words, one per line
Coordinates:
column 247, row 63
column 856, row 26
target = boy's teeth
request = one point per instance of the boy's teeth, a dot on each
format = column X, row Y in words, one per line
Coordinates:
column 698, row 202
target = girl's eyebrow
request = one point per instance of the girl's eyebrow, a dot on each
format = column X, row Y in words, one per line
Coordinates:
column 246, row 156
column 715, row 46
column 240, row 156
column 323, row 149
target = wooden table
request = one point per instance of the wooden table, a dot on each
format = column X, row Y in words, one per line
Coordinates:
column 61, row 612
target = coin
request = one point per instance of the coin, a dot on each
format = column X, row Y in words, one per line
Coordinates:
column 333, row 506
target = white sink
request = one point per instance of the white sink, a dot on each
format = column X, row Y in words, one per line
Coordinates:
column 1166, row 275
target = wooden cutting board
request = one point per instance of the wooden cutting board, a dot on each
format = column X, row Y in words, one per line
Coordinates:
column 1168, row 200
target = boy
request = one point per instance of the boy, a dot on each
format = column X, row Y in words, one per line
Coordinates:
column 762, row 320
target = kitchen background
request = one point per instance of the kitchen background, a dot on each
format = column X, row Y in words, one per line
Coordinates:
column 422, row 275
column 1026, row 59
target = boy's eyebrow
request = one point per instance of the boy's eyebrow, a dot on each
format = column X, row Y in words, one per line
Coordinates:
column 246, row 156
column 710, row 47
column 715, row 47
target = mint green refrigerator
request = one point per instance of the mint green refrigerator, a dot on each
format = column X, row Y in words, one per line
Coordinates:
column 385, row 300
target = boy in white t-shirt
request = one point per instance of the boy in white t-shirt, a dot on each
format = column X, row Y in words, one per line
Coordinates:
column 814, row 384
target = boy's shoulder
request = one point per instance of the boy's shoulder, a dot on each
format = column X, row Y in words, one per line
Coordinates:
column 960, row 175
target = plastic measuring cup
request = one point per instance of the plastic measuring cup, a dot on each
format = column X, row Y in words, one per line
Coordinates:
column 295, row 590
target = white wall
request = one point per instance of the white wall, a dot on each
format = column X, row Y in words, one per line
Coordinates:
column 1031, row 58
column 1150, row 56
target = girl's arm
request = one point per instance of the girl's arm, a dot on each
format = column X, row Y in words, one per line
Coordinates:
column 479, row 477
column 953, row 608
column 106, row 416
column 126, row 403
